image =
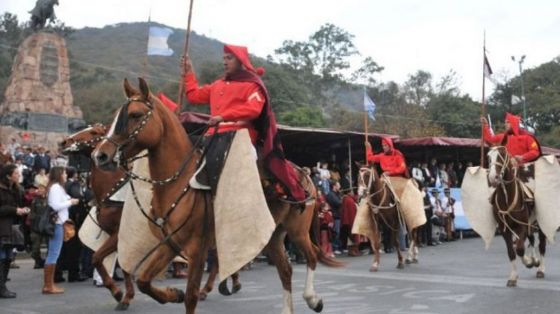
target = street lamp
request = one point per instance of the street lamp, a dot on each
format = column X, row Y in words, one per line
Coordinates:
column 520, row 62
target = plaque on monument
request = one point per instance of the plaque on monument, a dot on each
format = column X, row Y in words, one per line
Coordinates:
column 47, row 122
column 49, row 64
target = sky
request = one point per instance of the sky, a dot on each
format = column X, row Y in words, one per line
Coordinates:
column 401, row 35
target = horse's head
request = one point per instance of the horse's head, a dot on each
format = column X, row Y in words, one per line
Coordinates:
column 136, row 126
column 367, row 179
column 498, row 163
column 83, row 141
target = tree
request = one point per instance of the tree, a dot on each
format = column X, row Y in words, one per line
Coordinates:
column 418, row 88
column 325, row 54
column 365, row 74
column 306, row 116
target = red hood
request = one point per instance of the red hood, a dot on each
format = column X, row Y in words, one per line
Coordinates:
column 514, row 122
column 389, row 142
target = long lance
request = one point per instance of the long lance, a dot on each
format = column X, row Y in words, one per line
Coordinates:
column 483, row 104
column 185, row 52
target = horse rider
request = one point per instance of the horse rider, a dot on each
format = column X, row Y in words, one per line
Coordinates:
column 239, row 100
column 522, row 146
column 391, row 160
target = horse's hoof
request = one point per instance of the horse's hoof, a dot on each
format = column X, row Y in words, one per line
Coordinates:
column 202, row 296
column 373, row 269
column 415, row 261
column 530, row 265
column 540, row 274
column 118, row 296
column 223, row 288
column 122, row 307
column 400, row 266
column 511, row 283
column 319, row 307
column 236, row 287
column 408, row 262
column 180, row 295
column 536, row 263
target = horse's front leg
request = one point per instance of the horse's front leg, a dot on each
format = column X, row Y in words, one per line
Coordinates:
column 213, row 272
column 512, row 281
column 375, row 242
column 107, row 248
column 396, row 245
column 542, row 251
column 520, row 247
column 154, row 265
column 129, row 295
column 196, row 268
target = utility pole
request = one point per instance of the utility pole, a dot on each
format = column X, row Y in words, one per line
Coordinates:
column 520, row 62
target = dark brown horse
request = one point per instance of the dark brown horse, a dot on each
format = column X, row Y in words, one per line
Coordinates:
column 103, row 184
column 185, row 214
column 515, row 217
column 383, row 210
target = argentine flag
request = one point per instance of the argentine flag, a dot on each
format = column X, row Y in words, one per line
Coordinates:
column 157, row 41
column 369, row 106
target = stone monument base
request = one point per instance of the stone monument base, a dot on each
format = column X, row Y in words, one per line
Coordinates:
column 49, row 140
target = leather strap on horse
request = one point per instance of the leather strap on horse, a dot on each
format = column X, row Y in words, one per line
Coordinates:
column 161, row 221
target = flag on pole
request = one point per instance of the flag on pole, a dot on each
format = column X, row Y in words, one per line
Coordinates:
column 369, row 106
column 157, row 41
column 488, row 70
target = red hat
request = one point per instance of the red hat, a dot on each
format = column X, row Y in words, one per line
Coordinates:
column 387, row 142
column 242, row 54
column 513, row 121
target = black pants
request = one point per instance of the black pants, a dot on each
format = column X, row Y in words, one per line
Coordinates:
column 426, row 229
column 69, row 258
column 216, row 146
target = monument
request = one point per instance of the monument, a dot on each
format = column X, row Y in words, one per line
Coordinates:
column 38, row 106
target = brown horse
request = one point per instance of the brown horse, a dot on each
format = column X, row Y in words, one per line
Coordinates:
column 384, row 211
column 103, row 184
column 184, row 216
column 515, row 217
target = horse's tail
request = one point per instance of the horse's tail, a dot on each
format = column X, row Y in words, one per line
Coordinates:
column 321, row 256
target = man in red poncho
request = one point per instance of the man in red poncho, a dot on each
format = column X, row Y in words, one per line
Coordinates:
column 391, row 160
column 240, row 100
column 522, row 146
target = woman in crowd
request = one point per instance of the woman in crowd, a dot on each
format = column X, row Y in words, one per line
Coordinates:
column 59, row 201
column 11, row 198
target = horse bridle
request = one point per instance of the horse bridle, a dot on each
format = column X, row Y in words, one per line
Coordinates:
column 504, row 163
column 91, row 143
column 134, row 134
column 369, row 195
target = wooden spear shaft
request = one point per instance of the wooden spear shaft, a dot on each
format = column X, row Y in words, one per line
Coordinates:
column 185, row 52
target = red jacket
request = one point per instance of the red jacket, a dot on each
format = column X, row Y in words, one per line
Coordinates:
column 392, row 164
column 523, row 145
column 348, row 210
column 239, row 103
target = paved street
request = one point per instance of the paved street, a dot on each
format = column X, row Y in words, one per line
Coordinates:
column 456, row 277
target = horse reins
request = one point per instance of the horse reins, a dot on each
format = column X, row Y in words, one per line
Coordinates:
column 502, row 214
column 159, row 222
column 373, row 206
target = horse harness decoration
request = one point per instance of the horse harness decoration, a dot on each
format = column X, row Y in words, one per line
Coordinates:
column 159, row 222
column 504, row 163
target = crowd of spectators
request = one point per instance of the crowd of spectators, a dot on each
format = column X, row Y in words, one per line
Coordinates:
column 32, row 180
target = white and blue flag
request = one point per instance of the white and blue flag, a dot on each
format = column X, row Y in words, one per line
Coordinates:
column 369, row 106
column 157, row 41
